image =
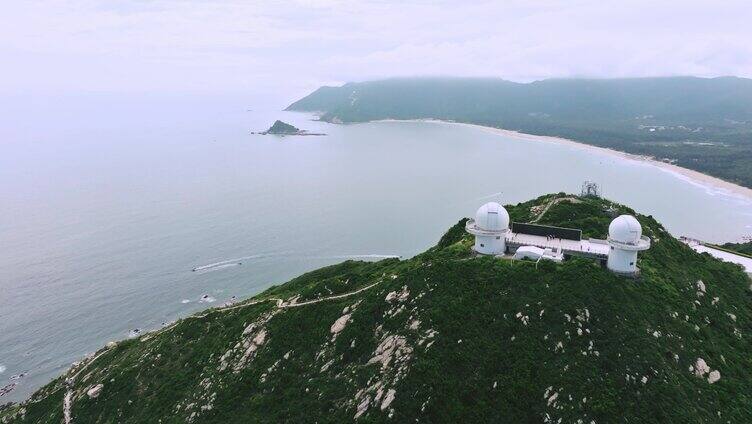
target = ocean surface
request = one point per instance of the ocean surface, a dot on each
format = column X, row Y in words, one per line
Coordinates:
column 108, row 204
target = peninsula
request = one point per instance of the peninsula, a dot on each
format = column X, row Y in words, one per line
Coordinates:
column 702, row 124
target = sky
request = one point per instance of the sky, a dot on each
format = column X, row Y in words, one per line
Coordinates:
column 279, row 51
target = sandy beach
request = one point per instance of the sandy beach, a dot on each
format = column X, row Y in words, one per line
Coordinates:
column 694, row 177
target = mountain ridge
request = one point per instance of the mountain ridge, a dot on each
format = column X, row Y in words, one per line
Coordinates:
column 444, row 336
column 704, row 124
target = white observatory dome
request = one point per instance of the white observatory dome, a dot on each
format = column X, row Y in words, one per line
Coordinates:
column 625, row 229
column 492, row 217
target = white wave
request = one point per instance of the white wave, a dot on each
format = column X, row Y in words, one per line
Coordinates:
column 709, row 188
column 367, row 256
column 232, row 262
column 185, row 301
column 223, row 264
column 2, row 369
column 19, row 376
column 214, row 268
column 207, row 299
column 238, row 261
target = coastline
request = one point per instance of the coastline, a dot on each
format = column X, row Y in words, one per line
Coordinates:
column 694, row 177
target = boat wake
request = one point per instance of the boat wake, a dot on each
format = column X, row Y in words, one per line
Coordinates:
column 368, row 256
column 207, row 299
column 239, row 261
column 217, row 265
column 227, row 263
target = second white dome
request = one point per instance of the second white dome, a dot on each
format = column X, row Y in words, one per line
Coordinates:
column 492, row 217
column 625, row 229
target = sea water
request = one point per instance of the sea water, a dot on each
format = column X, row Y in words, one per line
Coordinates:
column 119, row 214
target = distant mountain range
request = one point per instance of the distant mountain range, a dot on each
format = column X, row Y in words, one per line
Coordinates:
column 698, row 123
column 445, row 336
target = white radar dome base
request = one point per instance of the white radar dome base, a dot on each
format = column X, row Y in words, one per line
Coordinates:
column 489, row 227
column 625, row 239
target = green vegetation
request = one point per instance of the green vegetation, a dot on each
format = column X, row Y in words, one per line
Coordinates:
column 446, row 336
column 741, row 248
column 701, row 124
column 282, row 128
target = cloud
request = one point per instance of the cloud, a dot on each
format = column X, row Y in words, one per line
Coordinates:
column 289, row 48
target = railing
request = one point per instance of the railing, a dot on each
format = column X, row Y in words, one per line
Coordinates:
column 642, row 244
column 471, row 228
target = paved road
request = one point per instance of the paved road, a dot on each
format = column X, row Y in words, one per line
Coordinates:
column 724, row 256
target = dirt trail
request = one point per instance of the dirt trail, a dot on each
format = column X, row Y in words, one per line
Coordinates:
column 67, row 403
column 553, row 201
column 280, row 304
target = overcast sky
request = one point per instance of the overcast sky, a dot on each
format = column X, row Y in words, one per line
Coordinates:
column 282, row 50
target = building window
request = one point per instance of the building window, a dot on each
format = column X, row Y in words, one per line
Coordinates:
column 498, row 237
column 481, row 245
column 631, row 263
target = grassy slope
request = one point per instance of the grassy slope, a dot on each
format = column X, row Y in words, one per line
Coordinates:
column 743, row 248
column 492, row 356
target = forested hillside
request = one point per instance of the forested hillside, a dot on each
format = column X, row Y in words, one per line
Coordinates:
column 446, row 336
column 698, row 123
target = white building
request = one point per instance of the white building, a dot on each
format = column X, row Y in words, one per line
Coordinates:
column 490, row 228
column 536, row 253
column 626, row 239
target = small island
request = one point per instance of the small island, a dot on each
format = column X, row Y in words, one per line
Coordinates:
column 283, row 128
